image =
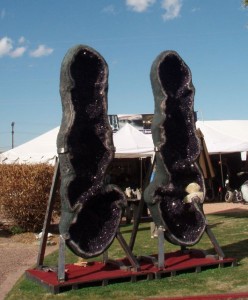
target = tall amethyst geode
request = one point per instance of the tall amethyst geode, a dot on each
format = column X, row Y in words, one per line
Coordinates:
column 177, row 151
column 91, row 211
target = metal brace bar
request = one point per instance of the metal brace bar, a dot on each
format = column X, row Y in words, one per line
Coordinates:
column 105, row 256
column 136, row 223
column 214, row 242
column 161, row 247
column 48, row 215
column 137, row 216
column 61, row 262
column 128, row 251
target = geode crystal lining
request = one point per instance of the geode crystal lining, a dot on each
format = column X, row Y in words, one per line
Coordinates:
column 177, row 151
column 91, row 211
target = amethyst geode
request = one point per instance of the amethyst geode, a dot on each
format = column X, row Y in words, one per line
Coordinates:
column 91, row 211
column 172, row 206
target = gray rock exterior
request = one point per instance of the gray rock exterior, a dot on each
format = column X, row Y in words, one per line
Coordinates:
column 91, row 210
column 177, row 151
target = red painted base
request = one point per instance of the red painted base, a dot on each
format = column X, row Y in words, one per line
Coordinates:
column 98, row 273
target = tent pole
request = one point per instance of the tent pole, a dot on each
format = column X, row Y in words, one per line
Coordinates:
column 221, row 171
column 141, row 183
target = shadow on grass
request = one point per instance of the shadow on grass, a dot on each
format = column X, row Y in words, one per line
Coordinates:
column 131, row 229
column 237, row 250
column 215, row 225
column 238, row 213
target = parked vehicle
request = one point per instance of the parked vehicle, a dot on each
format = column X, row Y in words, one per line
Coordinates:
column 237, row 195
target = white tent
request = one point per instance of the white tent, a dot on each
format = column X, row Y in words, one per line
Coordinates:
column 128, row 141
column 41, row 149
column 225, row 136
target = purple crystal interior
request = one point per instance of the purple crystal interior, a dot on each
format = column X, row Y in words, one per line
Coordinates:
column 86, row 141
column 179, row 152
column 91, row 211
column 97, row 219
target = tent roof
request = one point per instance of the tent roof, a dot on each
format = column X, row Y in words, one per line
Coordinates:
column 225, row 136
column 41, row 149
column 128, row 141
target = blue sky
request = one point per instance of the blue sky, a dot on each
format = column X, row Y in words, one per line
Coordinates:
column 211, row 36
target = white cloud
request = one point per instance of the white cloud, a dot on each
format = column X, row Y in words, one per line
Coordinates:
column 172, row 9
column 139, row 5
column 7, row 48
column 17, row 52
column 22, row 40
column 6, row 45
column 42, row 50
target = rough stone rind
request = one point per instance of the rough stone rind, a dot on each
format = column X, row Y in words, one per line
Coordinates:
column 91, row 211
column 177, row 151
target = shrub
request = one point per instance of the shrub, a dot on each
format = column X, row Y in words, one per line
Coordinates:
column 24, row 194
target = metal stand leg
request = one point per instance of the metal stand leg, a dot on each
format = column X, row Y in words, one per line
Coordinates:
column 157, row 262
column 161, row 248
column 48, row 216
column 137, row 216
column 61, row 263
column 214, row 242
column 105, row 257
column 136, row 224
column 132, row 259
column 220, row 254
column 128, row 252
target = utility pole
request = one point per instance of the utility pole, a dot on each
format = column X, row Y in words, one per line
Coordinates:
column 12, row 133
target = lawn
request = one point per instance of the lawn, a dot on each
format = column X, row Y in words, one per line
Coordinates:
column 231, row 231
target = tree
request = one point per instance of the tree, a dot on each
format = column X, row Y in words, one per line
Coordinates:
column 245, row 2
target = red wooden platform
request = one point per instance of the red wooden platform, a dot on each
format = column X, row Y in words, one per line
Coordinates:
column 99, row 274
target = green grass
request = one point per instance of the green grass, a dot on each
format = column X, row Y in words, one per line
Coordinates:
column 231, row 231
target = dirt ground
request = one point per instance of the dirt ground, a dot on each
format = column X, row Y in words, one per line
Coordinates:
column 20, row 252
column 17, row 254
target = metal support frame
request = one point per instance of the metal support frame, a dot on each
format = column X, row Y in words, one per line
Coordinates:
column 220, row 254
column 48, row 215
column 132, row 259
column 62, row 245
column 214, row 242
column 161, row 249
column 160, row 262
column 137, row 216
column 61, row 262
column 161, row 242
column 128, row 249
